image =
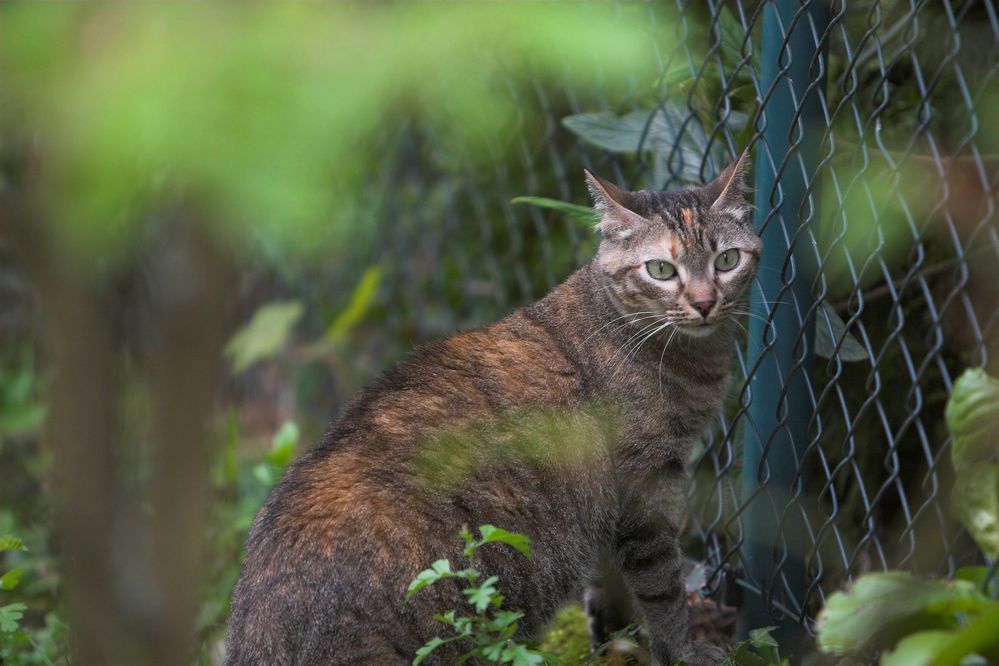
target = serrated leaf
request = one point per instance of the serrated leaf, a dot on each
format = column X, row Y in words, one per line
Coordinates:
column 491, row 533
column 11, row 543
column 521, row 655
column 762, row 638
column 493, row 651
column 10, row 616
column 506, row 618
column 482, row 596
column 583, row 214
column 438, row 570
column 424, row 652
column 266, row 334
column 830, row 331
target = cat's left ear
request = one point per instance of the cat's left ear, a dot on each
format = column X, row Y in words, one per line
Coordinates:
column 728, row 191
column 614, row 205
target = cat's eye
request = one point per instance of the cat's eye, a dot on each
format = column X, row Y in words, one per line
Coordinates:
column 727, row 260
column 659, row 269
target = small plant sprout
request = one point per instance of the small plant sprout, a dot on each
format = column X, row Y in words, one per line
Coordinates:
column 490, row 631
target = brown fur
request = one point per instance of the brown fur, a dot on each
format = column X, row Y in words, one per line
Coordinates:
column 552, row 422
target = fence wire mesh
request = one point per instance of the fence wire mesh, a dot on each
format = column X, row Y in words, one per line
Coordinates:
column 895, row 236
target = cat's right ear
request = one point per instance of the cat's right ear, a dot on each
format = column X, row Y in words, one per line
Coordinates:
column 612, row 203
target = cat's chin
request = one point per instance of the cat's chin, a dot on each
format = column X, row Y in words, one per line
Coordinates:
column 700, row 330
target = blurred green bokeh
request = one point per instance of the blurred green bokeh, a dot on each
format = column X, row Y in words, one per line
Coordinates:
column 265, row 118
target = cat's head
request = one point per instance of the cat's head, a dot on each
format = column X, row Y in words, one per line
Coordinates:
column 688, row 256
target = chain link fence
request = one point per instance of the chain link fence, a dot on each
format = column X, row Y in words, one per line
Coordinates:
column 876, row 179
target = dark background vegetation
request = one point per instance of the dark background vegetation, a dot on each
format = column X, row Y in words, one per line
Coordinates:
column 219, row 221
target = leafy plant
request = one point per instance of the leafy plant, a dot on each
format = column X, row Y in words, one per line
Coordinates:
column 973, row 418
column 11, row 614
column 241, row 487
column 915, row 621
column 760, row 649
column 491, row 629
column 265, row 335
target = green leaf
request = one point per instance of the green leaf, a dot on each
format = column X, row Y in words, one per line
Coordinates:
column 732, row 34
column 762, row 638
column 429, row 647
column 506, row 618
column 446, row 618
column 973, row 419
column 491, row 533
column 583, row 214
column 9, row 542
column 438, row 570
column 283, row 445
column 482, row 596
column 975, row 502
column 265, row 335
column 493, row 651
column 521, row 655
column 878, row 609
column 980, row 636
column 830, row 331
column 981, row 576
column 10, row 616
column 357, row 309
column 10, row 580
column 619, row 134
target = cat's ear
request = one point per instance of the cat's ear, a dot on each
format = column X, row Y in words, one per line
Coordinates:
column 613, row 205
column 728, row 191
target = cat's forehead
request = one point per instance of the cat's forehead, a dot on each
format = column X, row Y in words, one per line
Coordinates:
column 681, row 211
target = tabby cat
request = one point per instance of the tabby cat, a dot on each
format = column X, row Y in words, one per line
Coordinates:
column 569, row 421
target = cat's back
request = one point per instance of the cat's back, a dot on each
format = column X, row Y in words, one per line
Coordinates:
column 355, row 500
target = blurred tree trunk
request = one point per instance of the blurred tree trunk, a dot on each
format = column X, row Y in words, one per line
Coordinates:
column 131, row 551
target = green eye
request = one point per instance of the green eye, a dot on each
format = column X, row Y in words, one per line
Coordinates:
column 659, row 269
column 727, row 260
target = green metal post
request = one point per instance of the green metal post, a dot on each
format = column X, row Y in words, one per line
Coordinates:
column 791, row 122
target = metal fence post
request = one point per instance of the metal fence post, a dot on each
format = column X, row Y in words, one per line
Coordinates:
column 791, row 124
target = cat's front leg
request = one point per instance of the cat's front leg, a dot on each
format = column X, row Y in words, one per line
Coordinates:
column 650, row 558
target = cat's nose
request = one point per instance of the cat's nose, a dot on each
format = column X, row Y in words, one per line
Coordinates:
column 704, row 306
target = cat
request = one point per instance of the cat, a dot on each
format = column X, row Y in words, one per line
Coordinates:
column 569, row 421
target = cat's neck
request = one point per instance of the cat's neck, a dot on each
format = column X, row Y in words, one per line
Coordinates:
column 586, row 316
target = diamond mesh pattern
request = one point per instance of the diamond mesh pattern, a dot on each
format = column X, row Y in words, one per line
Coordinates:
column 896, row 238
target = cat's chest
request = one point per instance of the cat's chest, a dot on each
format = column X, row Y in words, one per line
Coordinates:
column 671, row 404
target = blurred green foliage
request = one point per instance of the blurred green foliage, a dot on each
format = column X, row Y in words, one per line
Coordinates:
column 938, row 622
column 973, row 420
column 264, row 116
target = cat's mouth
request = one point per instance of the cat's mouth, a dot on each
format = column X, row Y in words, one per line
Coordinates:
column 699, row 329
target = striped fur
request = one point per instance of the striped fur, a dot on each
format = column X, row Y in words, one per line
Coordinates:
column 569, row 421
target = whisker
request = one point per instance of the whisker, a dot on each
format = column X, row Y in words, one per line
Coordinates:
column 634, row 350
column 630, row 314
column 663, row 356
